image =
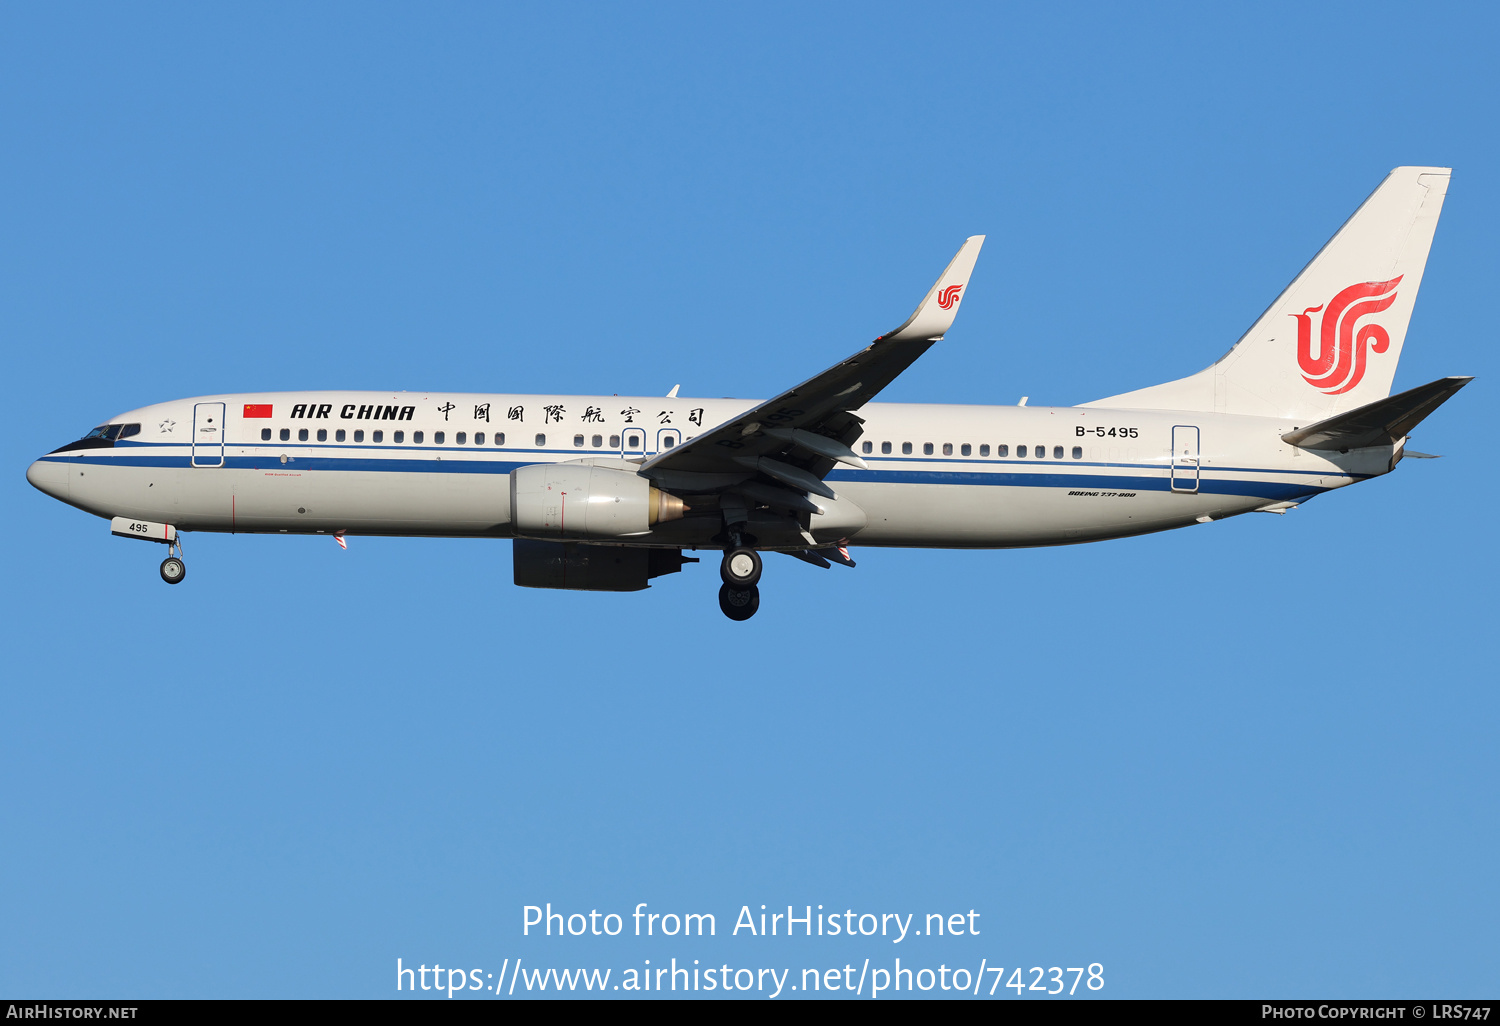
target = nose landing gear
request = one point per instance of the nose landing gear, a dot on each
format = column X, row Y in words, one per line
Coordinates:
column 173, row 569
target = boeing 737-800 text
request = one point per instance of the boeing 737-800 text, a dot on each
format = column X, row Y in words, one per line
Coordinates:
column 604, row 493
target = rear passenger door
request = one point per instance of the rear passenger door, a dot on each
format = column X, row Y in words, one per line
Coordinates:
column 1185, row 471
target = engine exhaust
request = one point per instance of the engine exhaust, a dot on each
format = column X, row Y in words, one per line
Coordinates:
column 665, row 507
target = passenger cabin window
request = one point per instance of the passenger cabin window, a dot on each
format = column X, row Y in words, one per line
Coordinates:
column 1003, row 451
column 614, row 441
column 359, row 436
column 984, row 450
column 499, row 437
column 947, row 448
column 1040, row 452
column 437, row 438
column 416, row 438
column 323, row 435
column 377, row 436
column 339, row 436
column 1078, row 452
column 398, row 437
column 966, row 450
column 597, row 441
column 265, row 434
column 479, row 438
column 460, row 438
column 885, row 447
column 1057, row 452
column 541, row 440
column 868, row 448
column 667, row 441
column 906, row 448
column 578, row 441
column 927, row 448
column 1020, row 452
column 286, row 434
column 302, row 435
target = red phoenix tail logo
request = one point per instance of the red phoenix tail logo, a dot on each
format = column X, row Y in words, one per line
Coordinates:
column 949, row 296
column 1339, row 363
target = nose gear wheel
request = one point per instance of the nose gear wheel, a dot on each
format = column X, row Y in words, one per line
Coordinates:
column 173, row 570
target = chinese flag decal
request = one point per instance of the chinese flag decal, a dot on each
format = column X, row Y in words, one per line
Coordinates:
column 253, row 410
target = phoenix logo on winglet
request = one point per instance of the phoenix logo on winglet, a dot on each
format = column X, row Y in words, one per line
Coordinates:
column 1340, row 362
column 949, row 296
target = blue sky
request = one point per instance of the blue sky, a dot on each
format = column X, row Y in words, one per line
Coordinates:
column 1256, row 758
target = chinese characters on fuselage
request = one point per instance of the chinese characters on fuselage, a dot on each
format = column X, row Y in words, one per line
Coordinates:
column 551, row 414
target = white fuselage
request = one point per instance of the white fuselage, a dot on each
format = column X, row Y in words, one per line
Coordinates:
column 939, row 475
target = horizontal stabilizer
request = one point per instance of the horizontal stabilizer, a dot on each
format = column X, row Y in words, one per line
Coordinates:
column 1383, row 422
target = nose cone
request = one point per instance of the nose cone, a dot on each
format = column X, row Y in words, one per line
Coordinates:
column 49, row 476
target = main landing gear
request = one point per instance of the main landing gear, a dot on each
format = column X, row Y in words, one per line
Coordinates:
column 739, row 598
column 739, row 603
column 741, row 567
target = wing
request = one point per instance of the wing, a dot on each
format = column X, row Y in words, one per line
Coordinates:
column 779, row 451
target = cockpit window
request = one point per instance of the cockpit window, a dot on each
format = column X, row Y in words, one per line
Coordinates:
column 110, row 432
column 102, row 437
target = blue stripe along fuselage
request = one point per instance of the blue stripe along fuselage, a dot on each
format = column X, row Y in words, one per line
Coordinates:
column 1076, row 477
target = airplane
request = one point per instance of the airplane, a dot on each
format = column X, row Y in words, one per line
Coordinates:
column 607, row 493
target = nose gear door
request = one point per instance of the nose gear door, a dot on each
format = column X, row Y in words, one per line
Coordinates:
column 208, row 435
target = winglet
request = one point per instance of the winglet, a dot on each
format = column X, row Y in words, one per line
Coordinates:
column 934, row 316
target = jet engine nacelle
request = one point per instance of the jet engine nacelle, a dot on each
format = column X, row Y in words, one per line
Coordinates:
column 581, row 500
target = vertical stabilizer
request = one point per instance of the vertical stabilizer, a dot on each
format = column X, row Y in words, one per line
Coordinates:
column 1331, row 340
